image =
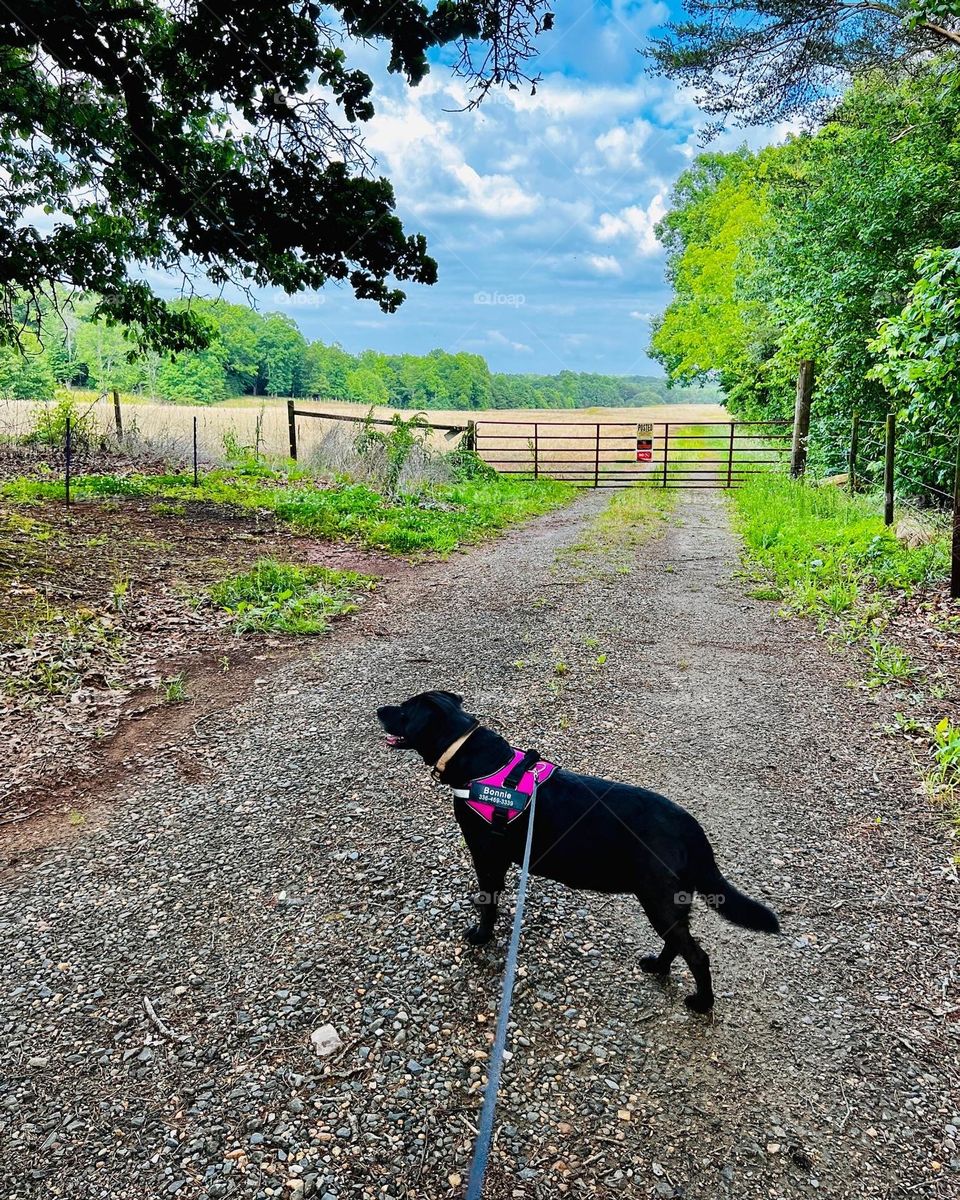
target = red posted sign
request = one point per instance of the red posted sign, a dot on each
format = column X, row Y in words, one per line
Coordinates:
column 644, row 442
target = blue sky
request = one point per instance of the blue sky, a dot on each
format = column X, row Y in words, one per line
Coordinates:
column 539, row 209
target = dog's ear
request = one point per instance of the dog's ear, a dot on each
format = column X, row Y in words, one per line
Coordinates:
column 457, row 700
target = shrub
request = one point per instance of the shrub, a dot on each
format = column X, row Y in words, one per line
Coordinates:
column 50, row 423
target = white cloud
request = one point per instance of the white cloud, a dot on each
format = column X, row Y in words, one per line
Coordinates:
column 496, row 338
column 620, row 145
column 641, row 316
column 604, row 264
column 635, row 225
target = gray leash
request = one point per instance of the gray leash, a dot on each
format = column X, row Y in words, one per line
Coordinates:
column 481, row 1150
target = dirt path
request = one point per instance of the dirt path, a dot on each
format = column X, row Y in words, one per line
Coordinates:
column 313, row 878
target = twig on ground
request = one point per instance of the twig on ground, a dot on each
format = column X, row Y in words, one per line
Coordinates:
column 164, row 1028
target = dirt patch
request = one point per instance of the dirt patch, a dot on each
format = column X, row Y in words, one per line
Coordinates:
column 927, row 625
column 103, row 613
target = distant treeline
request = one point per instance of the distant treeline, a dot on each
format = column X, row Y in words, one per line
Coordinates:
column 254, row 354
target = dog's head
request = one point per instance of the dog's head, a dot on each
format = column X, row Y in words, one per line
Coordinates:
column 428, row 723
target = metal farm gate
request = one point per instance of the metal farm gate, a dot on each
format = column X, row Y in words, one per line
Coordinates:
column 668, row 454
column 707, row 454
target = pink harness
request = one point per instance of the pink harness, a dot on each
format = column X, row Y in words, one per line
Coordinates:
column 489, row 797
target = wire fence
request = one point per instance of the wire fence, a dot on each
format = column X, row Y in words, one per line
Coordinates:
column 918, row 507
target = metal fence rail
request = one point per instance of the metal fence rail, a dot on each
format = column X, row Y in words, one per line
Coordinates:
column 715, row 454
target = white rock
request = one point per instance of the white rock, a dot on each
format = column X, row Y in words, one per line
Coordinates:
column 325, row 1040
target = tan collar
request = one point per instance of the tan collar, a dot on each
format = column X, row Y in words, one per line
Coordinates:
column 441, row 764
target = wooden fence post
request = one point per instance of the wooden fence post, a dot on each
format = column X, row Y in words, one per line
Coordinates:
column 801, row 418
column 292, row 428
column 117, row 417
column 730, row 459
column 888, row 462
column 852, row 458
column 470, row 437
column 596, row 461
column 536, row 449
column 955, row 552
column 196, row 478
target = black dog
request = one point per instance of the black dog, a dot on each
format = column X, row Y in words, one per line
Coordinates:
column 588, row 833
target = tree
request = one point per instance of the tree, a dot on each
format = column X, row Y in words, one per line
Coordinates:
column 327, row 369
column 711, row 329
column 759, row 61
column 194, row 378
column 237, row 328
column 281, row 353
column 25, row 374
column 365, row 386
column 918, row 362
column 215, row 139
column 101, row 357
column 829, row 255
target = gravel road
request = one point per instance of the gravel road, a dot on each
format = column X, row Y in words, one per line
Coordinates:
column 304, row 876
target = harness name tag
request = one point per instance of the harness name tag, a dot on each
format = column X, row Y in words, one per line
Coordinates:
column 508, row 799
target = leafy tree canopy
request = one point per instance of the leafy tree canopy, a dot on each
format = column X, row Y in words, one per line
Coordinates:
column 759, row 61
column 214, row 138
column 804, row 250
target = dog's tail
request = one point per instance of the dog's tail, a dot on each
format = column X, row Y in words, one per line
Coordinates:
column 731, row 903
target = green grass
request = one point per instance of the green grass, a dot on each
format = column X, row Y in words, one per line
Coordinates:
column 632, row 517
column 174, row 689
column 944, row 776
column 828, row 552
column 277, row 597
column 437, row 519
column 889, row 664
column 942, row 781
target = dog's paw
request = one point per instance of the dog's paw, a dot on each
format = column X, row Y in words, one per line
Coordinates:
column 651, row 964
column 476, row 935
column 698, row 1003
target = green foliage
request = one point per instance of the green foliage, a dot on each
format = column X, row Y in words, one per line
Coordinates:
column 277, row 597
column 50, row 422
column 801, row 250
column 468, row 465
column 174, row 689
column 944, row 777
column 249, row 353
column 888, row 664
column 26, row 374
column 825, row 550
column 918, row 354
column 396, row 446
column 718, row 207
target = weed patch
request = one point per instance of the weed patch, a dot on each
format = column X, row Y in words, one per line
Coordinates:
column 631, row 518
column 284, row 598
column 174, row 689
column 889, row 664
column 823, row 547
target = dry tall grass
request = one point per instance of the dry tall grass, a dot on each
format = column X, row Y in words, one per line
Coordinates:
column 166, row 430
